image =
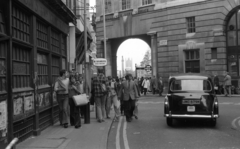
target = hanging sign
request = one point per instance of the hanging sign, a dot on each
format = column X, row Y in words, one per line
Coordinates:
column 148, row 68
column 99, row 62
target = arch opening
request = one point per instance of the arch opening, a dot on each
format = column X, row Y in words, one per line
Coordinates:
column 131, row 54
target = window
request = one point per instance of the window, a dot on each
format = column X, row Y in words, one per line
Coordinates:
column 21, row 67
column 190, row 85
column 55, row 68
column 20, row 25
column 63, row 45
column 126, row 4
column 214, row 53
column 2, row 23
column 42, row 64
column 146, row 2
column 192, row 62
column 191, row 25
column 55, row 45
column 3, row 65
column 42, row 35
column 108, row 6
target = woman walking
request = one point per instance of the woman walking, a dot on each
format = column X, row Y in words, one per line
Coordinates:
column 75, row 119
column 114, row 99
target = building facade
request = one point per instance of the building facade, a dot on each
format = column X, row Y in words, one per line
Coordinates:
column 185, row 36
column 33, row 49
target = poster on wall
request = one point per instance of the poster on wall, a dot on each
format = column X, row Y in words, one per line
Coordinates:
column 18, row 106
column 28, row 103
column 3, row 118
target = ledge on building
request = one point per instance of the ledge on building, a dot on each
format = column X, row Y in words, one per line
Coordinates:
column 61, row 10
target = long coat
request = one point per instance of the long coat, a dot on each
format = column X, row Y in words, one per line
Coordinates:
column 227, row 80
column 128, row 91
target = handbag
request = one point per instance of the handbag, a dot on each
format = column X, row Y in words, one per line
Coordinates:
column 80, row 100
column 103, row 88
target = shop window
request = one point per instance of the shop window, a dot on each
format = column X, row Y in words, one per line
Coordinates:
column 214, row 53
column 108, row 6
column 55, row 43
column 146, row 2
column 126, row 4
column 42, row 35
column 20, row 25
column 55, row 68
column 192, row 61
column 2, row 23
column 191, row 25
column 42, row 64
column 3, row 65
column 21, row 67
column 63, row 46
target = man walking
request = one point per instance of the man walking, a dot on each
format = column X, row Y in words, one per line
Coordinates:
column 227, row 84
column 129, row 92
column 153, row 84
column 160, row 86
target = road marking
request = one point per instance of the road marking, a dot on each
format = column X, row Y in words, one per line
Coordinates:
column 118, row 134
column 234, row 126
column 125, row 140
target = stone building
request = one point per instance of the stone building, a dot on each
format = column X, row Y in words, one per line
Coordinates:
column 201, row 36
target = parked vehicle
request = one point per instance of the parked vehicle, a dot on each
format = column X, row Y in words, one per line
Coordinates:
column 191, row 96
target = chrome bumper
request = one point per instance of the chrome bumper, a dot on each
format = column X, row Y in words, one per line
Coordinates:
column 190, row 116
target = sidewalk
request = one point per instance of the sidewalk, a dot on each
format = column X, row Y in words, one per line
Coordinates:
column 89, row 136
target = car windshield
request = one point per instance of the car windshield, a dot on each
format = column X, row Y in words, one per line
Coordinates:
column 190, row 85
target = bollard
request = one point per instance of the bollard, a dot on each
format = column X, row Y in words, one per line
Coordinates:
column 87, row 113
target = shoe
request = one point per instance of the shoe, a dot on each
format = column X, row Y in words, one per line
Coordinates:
column 135, row 117
column 100, row 121
column 78, row 126
column 108, row 117
column 65, row 125
column 129, row 120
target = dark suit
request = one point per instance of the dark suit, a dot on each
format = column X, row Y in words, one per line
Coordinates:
column 129, row 92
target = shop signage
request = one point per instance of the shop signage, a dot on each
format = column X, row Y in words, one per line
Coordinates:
column 148, row 68
column 163, row 43
column 99, row 62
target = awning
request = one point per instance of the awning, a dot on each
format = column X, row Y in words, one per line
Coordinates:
column 80, row 45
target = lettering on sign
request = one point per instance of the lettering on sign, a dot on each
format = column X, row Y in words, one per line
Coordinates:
column 99, row 62
column 191, row 45
column 163, row 42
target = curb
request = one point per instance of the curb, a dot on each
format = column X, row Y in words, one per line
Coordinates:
column 109, row 129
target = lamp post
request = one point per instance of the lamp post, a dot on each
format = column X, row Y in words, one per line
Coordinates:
column 104, row 32
column 87, row 108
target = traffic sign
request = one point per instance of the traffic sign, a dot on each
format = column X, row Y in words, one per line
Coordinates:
column 99, row 62
column 148, row 68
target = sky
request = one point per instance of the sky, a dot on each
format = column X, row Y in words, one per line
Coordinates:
column 132, row 48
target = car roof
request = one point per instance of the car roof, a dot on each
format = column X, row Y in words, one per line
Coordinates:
column 190, row 76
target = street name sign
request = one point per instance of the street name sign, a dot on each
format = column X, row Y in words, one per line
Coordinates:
column 98, row 62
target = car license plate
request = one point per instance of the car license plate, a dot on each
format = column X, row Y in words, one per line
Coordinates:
column 191, row 102
column 191, row 108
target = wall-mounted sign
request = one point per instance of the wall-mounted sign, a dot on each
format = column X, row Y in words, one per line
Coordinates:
column 163, row 43
column 148, row 68
column 99, row 62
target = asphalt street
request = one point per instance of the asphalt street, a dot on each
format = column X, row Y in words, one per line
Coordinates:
column 150, row 131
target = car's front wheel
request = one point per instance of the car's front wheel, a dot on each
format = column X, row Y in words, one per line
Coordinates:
column 169, row 121
column 213, row 122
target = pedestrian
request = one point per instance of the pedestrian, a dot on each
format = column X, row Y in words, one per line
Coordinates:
column 100, row 96
column 61, row 89
column 75, row 119
column 160, row 86
column 114, row 98
column 227, row 84
column 108, row 99
column 119, row 82
column 216, row 84
column 148, row 85
column 153, row 84
column 135, row 112
column 145, row 85
column 140, row 85
column 129, row 92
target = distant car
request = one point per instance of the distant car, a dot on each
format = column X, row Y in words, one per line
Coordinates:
column 191, row 96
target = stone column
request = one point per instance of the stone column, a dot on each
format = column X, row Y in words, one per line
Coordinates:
column 108, row 68
column 154, row 61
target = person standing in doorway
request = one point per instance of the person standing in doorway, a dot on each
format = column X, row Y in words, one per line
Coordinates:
column 216, row 83
column 227, row 84
column 61, row 88
column 160, row 86
column 129, row 93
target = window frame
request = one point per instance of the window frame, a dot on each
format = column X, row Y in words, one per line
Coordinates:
column 146, row 2
column 127, row 4
column 191, row 24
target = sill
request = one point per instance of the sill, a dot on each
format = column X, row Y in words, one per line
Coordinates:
column 125, row 10
column 26, row 89
column 189, row 35
column 43, row 86
column 146, row 5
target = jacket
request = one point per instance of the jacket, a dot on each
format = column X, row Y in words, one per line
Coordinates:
column 128, row 91
column 227, row 80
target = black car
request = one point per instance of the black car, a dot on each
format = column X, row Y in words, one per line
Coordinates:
column 191, row 96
